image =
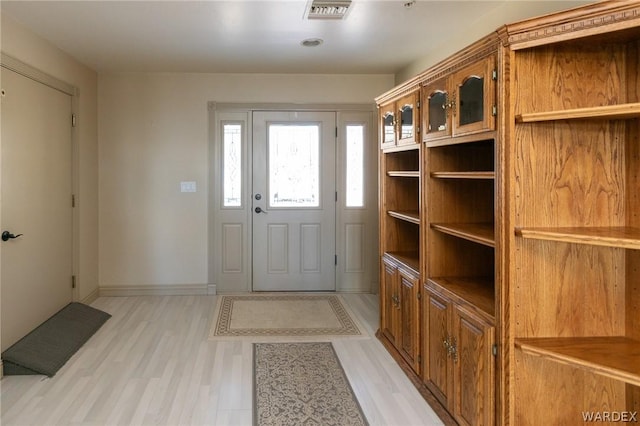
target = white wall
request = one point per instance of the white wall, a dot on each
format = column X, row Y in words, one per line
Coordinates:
column 153, row 132
column 29, row 48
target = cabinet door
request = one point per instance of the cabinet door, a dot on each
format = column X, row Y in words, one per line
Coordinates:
column 408, row 119
column 387, row 120
column 435, row 103
column 437, row 374
column 474, row 369
column 409, row 319
column 474, row 97
column 390, row 312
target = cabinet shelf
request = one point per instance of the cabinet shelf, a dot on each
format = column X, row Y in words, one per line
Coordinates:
column 476, row 291
column 621, row 237
column 408, row 259
column 481, row 233
column 610, row 112
column 463, row 175
column 407, row 216
column 614, row 357
column 403, row 173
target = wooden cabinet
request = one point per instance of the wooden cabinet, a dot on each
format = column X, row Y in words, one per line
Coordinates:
column 400, row 120
column 458, row 362
column 400, row 224
column 400, row 310
column 436, row 120
column 520, row 214
column 462, row 103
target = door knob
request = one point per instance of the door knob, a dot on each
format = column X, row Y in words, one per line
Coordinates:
column 6, row 236
column 259, row 210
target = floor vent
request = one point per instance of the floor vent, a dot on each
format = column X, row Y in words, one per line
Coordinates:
column 328, row 9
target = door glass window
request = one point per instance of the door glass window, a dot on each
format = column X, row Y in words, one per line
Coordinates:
column 437, row 112
column 232, row 165
column 354, row 165
column 294, row 165
column 471, row 100
column 389, row 128
column 406, row 118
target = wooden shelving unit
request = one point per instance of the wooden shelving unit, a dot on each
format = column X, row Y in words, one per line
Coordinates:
column 576, row 222
column 608, row 112
column 481, row 233
column 614, row 357
column 407, row 216
column 612, row 236
column 518, row 217
column 475, row 291
column 463, row 175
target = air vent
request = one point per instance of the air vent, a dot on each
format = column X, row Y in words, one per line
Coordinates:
column 327, row 9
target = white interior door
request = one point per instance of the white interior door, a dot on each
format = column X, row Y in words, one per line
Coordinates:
column 36, row 202
column 294, row 201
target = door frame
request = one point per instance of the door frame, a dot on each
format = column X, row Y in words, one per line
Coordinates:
column 10, row 63
column 219, row 113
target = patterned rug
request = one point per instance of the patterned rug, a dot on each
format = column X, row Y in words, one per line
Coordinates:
column 302, row 384
column 296, row 317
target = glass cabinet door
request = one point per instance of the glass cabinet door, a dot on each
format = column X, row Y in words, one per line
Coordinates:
column 387, row 125
column 407, row 110
column 436, row 102
column 474, row 98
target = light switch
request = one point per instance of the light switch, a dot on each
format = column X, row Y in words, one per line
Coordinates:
column 187, row 187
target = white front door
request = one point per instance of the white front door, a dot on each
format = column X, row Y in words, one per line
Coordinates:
column 294, row 201
column 36, row 202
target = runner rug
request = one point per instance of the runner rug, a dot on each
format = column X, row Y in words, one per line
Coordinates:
column 294, row 317
column 302, row 384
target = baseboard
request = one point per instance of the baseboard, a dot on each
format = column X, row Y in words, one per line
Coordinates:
column 212, row 289
column 157, row 290
column 91, row 297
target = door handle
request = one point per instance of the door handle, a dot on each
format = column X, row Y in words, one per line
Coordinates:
column 6, row 236
column 259, row 210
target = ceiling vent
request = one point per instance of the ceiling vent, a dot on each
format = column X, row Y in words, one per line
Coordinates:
column 328, row 9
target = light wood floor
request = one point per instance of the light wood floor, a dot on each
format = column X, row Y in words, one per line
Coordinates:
column 151, row 364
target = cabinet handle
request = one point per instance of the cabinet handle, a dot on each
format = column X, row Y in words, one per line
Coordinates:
column 396, row 300
column 449, row 344
column 453, row 350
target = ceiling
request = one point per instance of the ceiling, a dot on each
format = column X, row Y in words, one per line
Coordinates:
column 253, row 36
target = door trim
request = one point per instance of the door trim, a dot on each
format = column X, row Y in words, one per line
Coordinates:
column 216, row 110
column 12, row 64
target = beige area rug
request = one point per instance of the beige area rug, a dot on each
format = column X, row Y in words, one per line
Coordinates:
column 288, row 317
column 302, row 384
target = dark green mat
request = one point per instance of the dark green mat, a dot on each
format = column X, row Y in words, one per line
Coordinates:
column 47, row 348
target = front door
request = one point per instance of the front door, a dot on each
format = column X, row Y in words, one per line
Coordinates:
column 294, row 201
column 36, row 202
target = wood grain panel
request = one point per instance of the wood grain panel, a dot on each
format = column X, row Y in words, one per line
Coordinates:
column 410, row 314
column 568, row 290
column 549, row 393
column 570, row 174
column 437, row 369
column 473, row 375
column 569, row 76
